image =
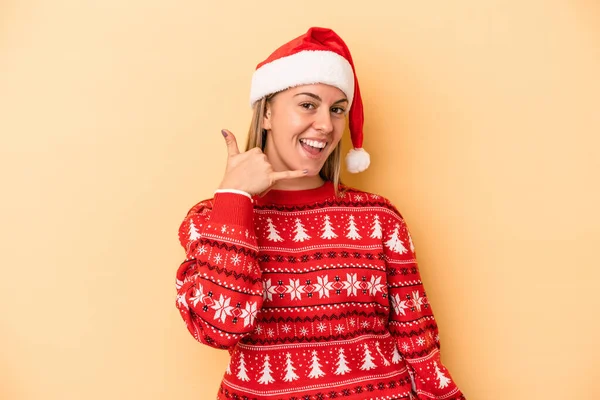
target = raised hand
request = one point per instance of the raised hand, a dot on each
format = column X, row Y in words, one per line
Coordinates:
column 251, row 171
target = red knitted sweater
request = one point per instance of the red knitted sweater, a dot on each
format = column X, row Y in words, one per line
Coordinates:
column 315, row 297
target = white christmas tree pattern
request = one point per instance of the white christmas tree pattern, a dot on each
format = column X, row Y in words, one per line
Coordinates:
column 342, row 364
column 394, row 243
column 396, row 356
column 242, row 373
column 273, row 233
column 410, row 242
column 385, row 361
column 376, row 234
column 444, row 380
column 352, row 230
column 228, row 370
column 193, row 232
column 328, row 232
column 290, row 375
column 266, row 377
column 301, row 234
column 315, row 368
column 367, row 360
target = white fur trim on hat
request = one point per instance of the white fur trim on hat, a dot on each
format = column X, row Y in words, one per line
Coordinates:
column 357, row 160
column 303, row 68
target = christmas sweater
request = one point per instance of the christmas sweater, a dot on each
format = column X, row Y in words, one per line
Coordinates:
column 316, row 297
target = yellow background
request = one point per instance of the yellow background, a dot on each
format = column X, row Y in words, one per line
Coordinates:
column 482, row 119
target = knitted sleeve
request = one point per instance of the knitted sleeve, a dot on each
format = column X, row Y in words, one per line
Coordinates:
column 411, row 319
column 219, row 287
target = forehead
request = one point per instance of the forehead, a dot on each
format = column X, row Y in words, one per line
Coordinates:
column 324, row 91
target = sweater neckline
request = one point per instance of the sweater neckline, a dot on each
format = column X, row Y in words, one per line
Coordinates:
column 295, row 197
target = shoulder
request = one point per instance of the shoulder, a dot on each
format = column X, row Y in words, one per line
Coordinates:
column 196, row 217
column 202, row 208
column 360, row 198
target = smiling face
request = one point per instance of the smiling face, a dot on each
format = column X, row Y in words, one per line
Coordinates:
column 304, row 125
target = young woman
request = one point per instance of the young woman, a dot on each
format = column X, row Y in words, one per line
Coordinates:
column 312, row 286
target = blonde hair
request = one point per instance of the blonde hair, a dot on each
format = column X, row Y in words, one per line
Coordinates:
column 257, row 138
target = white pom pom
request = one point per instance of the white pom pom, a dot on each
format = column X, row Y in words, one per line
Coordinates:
column 357, row 160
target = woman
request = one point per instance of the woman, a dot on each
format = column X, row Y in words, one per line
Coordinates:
column 312, row 286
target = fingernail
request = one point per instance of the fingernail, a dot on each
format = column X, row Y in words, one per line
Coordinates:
column 224, row 133
column 305, row 171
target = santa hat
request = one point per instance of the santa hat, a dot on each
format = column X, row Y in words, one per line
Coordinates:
column 318, row 56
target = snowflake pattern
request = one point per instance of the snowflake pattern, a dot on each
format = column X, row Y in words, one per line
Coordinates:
column 249, row 313
column 198, row 295
column 181, row 300
column 324, row 283
column 295, row 289
column 375, row 285
column 398, row 305
column 353, row 286
column 222, row 307
column 250, row 267
column 417, row 301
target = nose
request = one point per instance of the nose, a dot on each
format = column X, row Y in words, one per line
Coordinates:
column 323, row 122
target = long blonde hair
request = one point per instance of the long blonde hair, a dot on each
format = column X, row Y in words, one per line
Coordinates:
column 257, row 138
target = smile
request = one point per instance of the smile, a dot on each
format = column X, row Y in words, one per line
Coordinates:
column 314, row 143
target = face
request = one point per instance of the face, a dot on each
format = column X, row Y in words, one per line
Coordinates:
column 304, row 125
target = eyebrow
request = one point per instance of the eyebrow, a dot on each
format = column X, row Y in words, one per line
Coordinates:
column 314, row 96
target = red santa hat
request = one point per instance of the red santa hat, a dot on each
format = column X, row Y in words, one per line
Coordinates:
column 318, row 56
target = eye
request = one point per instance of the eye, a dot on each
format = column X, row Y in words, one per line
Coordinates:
column 338, row 110
column 308, row 106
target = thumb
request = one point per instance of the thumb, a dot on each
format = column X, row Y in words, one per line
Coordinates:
column 232, row 146
column 277, row 176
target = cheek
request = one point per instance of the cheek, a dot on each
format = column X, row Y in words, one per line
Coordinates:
column 288, row 126
column 339, row 129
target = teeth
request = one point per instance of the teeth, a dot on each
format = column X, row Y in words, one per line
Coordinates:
column 314, row 143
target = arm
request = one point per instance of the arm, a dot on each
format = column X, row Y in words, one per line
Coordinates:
column 411, row 320
column 219, row 287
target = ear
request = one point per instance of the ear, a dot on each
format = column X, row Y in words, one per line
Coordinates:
column 267, row 117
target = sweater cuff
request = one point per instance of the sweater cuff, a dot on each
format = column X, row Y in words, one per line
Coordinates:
column 232, row 209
